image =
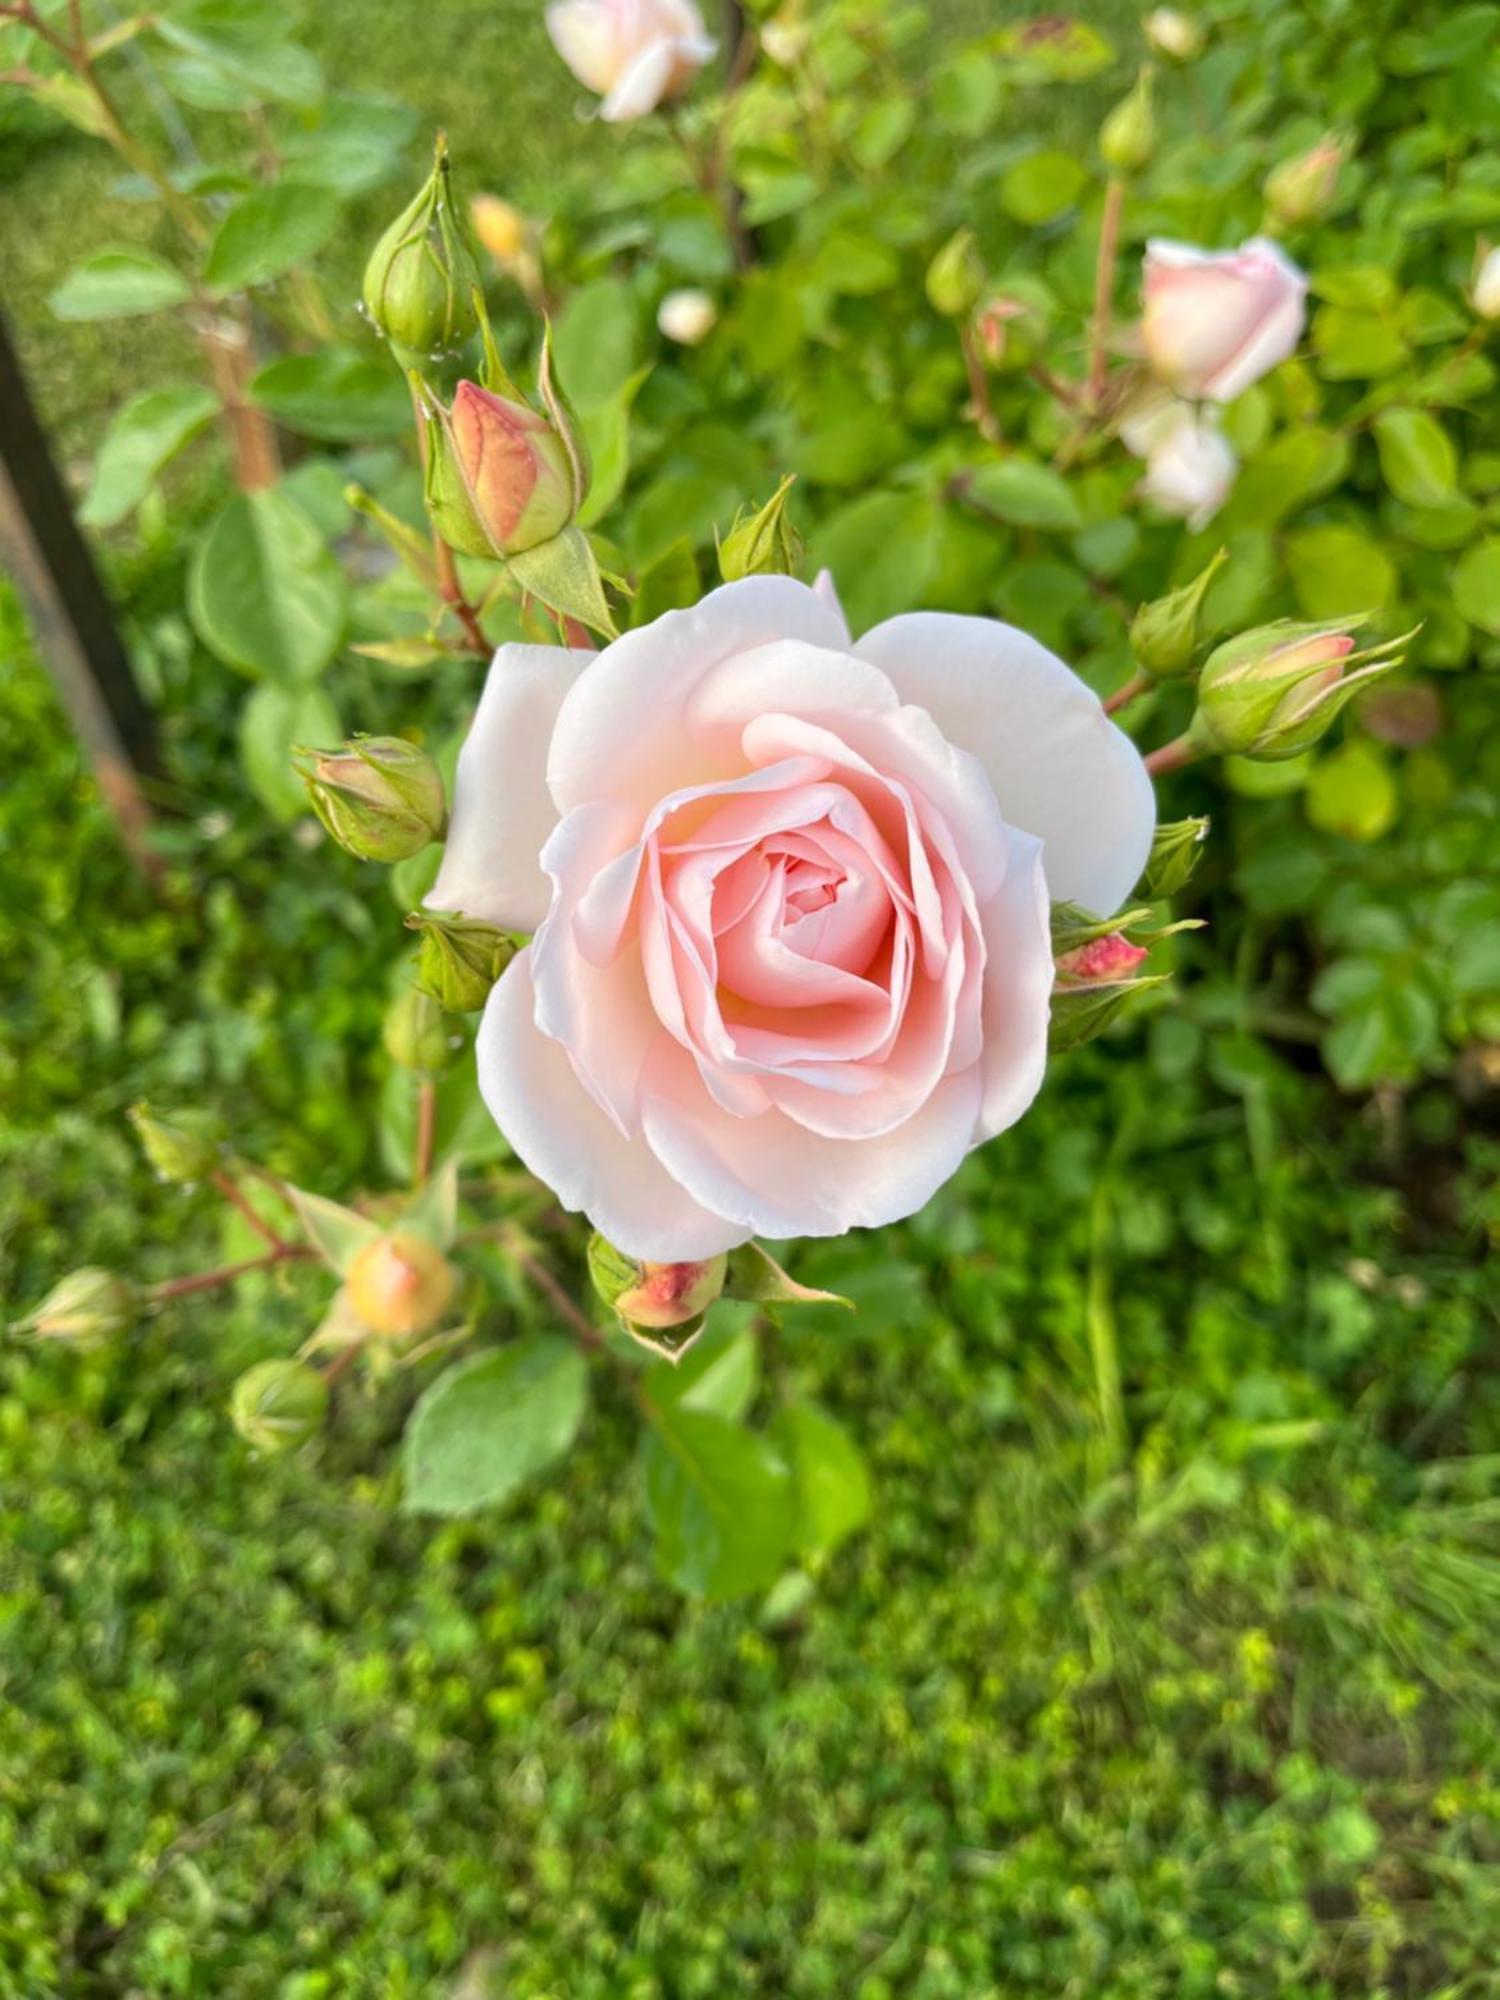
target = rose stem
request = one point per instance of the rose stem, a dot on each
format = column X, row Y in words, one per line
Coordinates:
column 225, row 1274
column 979, row 388
column 236, row 1199
column 1104, row 287
column 1134, row 688
column 426, row 1130
column 1172, row 756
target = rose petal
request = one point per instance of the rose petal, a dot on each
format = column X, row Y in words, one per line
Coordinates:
column 1059, row 767
column 1017, row 986
column 502, row 811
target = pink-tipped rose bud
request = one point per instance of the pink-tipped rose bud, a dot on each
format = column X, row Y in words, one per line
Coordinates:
column 1216, row 321
column 515, row 468
column 400, row 1285
column 1301, row 189
column 662, row 1305
column 1271, row 693
column 635, row 54
column 1102, row 960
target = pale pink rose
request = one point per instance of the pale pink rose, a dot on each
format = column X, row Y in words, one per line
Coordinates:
column 1190, row 467
column 634, row 53
column 1216, row 321
column 790, row 892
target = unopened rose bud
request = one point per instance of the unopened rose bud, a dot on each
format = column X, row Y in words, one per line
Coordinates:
column 687, row 316
column 84, row 1308
column 955, row 277
column 400, row 1285
column 1272, row 693
column 459, row 959
column 785, row 38
column 1302, row 189
column 380, row 797
column 500, row 479
column 415, row 1034
column 1127, row 138
column 1176, row 851
column 278, row 1405
column 500, row 227
column 666, row 1302
column 1216, row 321
column 992, row 322
column 1173, row 34
column 1103, row 958
column 762, row 543
column 1164, row 634
column 1484, row 293
column 177, row 1150
column 421, row 279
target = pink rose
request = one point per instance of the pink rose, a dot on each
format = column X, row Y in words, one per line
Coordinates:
column 792, row 956
column 633, row 53
column 1216, row 321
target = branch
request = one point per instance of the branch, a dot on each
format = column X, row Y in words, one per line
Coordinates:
column 1104, row 287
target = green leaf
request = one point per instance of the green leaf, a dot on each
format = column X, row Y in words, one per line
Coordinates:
column 268, row 233
column 832, row 1479
column 606, row 431
column 1352, row 793
column 1354, row 345
column 1417, row 457
column 1337, row 570
column 335, row 393
column 119, row 284
column 719, row 1373
column 357, row 145
column 146, row 433
column 491, row 1423
column 595, row 342
column 721, row 1501
column 239, row 55
column 272, row 721
column 1476, row 585
column 1043, row 187
column 1025, row 493
column 265, row 593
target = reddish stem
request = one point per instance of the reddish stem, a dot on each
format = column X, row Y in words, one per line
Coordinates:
column 226, row 1274
column 426, row 1130
column 236, row 1199
column 562, row 1302
column 1171, row 756
column 1104, row 288
column 452, row 593
column 979, row 387
column 1134, row 688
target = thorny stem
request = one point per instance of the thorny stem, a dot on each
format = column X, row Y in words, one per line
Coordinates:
column 1104, row 287
column 1172, row 756
column 1134, row 688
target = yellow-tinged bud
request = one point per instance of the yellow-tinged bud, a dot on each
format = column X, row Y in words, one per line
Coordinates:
column 1302, row 189
column 380, row 797
column 500, row 227
column 279, row 1405
column 400, row 1285
column 762, row 542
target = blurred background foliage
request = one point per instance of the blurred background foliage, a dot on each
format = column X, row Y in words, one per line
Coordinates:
column 1196, row 1697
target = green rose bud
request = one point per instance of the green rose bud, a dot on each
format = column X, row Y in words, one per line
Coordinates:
column 421, row 279
column 380, row 797
column 764, row 542
column 1272, row 693
column 662, row 1305
column 279, row 1405
column 1175, row 853
column 84, row 1308
column 415, row 1033
column 1164, row 635
column 1127, row 138
column 1302, row 189
column 178, row 1151
column 459, row 959
column 955, row 277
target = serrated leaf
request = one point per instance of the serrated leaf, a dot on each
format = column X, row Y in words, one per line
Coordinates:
column 491, row 1423
column 119, row 284
column 721, row 1501
column 269, row 232
column 146, row 434
column 264, row 591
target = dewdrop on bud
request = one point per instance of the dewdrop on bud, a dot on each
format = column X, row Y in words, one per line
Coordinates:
column 1164, row 634
column 1484, row 292
column 1127, row 138
column 175, row 1149
column 1272, row 693
column 1302, row 189
column 687, row 316
column 400, row 1285
column 380, row 797
column 421, row 279
column 1173, row 34
column 278, row 1405
column 415, row 1034
column 84, row 1308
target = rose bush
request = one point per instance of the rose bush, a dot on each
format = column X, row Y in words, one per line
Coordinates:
column 790, row 893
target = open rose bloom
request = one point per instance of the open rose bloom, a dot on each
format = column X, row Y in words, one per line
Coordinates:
column 635, row 54
column 792, row 955
column 1216, row 321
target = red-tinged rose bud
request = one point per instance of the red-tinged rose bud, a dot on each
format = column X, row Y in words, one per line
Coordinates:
column 516, row 470
column 1272, row 693
column 400, row 1285
column 1105, row 958
column 667, row 1295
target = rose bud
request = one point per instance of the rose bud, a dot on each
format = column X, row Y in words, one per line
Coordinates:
column 955, row 277
column 415, row 1034
column 421, row 279
column 1189, row 469
column 687, row 316
column 500, row 227
column 459, row 959
column 177, row 1151
column 279, row 1405
column 660, row 1299
column 635, row 54
column 380, row 797
column 1094, row 983
column 1216, row 321
column 1103, row 958
column 516, row 477
column 1173, row 34
column 785, row 38
column 1302, row 189
column 1484, row 293
column 1164, row 634
column 400, row 1285
column 1176, row 850
column 85, row 1307
column 763, row 543
column 1127, row 138
column 1271, row 693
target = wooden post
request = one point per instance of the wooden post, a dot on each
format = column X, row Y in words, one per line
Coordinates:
column 70, row 615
